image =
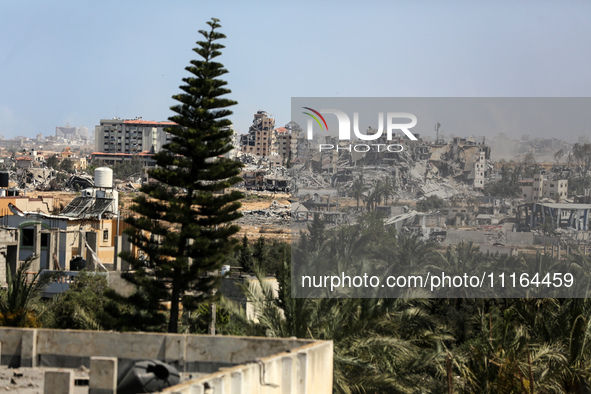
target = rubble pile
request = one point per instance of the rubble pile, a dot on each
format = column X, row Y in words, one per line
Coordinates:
column 79, row 182
column 276, row 215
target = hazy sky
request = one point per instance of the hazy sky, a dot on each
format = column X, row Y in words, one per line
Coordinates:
column 80, row 61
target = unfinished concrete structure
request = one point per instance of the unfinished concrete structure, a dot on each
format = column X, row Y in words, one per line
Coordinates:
column 218, row 364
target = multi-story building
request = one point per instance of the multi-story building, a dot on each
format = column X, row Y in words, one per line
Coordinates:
column 287, row 143
column 231, row 154
column 11, row 143
column 261, row 139
column 541, row 187
column 283, row 143
column 71, row 133
column 555, row 189
column 111, row 159
column 130, row 135
column 479, row 170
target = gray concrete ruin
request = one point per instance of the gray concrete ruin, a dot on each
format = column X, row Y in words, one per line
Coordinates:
column 223, row 364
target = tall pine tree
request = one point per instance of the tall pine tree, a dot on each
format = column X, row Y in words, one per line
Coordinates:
column 185, row 236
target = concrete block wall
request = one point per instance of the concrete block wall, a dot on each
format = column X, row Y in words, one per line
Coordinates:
column 544, row 240
column 40, row 347
column 520, row 239
column 245, row 364
column 480, row 238
column 455, row 237
column 58, row 382
column 308, row 369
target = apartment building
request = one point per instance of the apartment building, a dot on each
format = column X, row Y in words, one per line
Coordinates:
column 130, row 135
column 261, row 139
column 541, row 187
column 479, row 170
column 286, row 143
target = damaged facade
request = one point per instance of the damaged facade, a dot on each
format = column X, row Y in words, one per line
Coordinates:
column 88, row 229
column 260, row 140
column 278, row 146
column 341, row 183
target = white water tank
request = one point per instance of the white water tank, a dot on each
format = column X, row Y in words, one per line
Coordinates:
column 103, row 177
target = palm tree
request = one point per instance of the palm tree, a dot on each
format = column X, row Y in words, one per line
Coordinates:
column 504, row 358
column 358, row 190
column 381, row 345
column 388, row 188
column 458, row 260
column 19, row 302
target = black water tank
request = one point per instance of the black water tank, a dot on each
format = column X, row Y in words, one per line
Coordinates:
column 4, row 179
column 147, row 377
column 77, row 264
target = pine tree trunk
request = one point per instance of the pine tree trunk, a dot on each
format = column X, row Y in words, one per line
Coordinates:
column 173, row 323
column 212, row 312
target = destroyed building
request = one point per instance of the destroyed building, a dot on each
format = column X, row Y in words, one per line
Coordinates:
column 260, row 139
column 89, row 228
column 556, row 215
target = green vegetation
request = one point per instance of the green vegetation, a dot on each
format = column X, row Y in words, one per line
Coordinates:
column 508, row 185
column 84, row 306
column 389, row 344
column 67, row 165
column 20, row 301
column 189, row 232
column 393, row 344
column 134, row 168
column 382, row 345
column 262, row 255
column 381, row 192
column 53, row 162
column 358, row 190
column 582, row 154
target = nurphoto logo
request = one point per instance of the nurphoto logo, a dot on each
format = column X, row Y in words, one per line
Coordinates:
column 392, row 121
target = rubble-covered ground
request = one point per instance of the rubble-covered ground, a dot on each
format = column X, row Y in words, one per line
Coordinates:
column 265, row 214
column 30, row 380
